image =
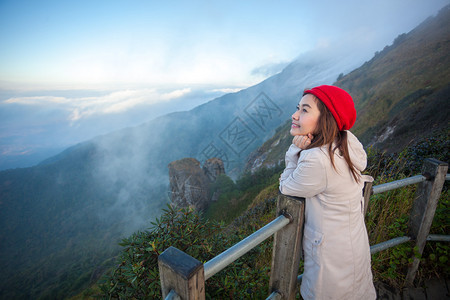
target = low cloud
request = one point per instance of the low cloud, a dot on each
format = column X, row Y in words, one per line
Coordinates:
column 227, row 90
column 269, row 69
column 38, row 100
column 175, row 94
column 111, row 103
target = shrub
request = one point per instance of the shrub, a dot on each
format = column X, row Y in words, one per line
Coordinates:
column 137, row 275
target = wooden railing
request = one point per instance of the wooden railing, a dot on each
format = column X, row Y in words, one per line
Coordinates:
column 183, row 277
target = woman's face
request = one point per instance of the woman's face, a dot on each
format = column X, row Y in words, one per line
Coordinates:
column 305, row 119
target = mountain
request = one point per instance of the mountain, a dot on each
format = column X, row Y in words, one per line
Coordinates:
column 402, row 94
column 62, row 218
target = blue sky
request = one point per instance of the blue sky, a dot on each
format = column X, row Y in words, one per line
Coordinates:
column 79, row 44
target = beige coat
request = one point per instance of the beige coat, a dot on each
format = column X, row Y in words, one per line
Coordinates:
column 335, row 243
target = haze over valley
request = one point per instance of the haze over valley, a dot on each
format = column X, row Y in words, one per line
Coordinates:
column 63, row 91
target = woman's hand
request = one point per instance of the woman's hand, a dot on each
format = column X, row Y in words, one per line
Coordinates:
column 302, row 141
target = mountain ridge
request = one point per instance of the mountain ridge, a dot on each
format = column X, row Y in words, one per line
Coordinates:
column 416, row 113
column 402, row 77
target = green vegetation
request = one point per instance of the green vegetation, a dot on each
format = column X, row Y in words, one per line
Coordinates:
column 387, row 217
column 388, row 213
column 235, row 198
column 137, row 276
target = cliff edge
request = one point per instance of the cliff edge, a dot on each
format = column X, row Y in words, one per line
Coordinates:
column 189, row 182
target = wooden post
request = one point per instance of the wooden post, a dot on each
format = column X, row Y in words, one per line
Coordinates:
column 182, row 273
column 287, row 248
column 367, row 190
column 424, row 207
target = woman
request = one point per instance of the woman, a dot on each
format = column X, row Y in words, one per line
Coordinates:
column 324, row 165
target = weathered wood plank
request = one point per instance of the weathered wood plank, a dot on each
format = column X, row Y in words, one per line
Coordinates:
column 287, row 248
column 424, row 207
column 367, row 190
column 182, row 273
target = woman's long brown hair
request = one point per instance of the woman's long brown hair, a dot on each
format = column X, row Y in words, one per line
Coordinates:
column 328, row 133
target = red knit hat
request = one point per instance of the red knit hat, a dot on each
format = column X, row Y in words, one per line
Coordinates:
column 338, row 102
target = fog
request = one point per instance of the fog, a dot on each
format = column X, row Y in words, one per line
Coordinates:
column 124, row 80
column 37, row 125
column 131, row 164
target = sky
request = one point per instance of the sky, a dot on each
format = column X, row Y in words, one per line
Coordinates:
column 70, row 70
column 79, row 44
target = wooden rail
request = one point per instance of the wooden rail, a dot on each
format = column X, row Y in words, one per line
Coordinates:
column 183, row 277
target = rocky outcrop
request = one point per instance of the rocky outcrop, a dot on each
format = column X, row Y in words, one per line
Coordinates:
column 189, row 182
column 212, row 168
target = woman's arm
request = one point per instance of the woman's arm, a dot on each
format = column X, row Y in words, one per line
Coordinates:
column 307, row 179
column 299, row 142
column 291, row 160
